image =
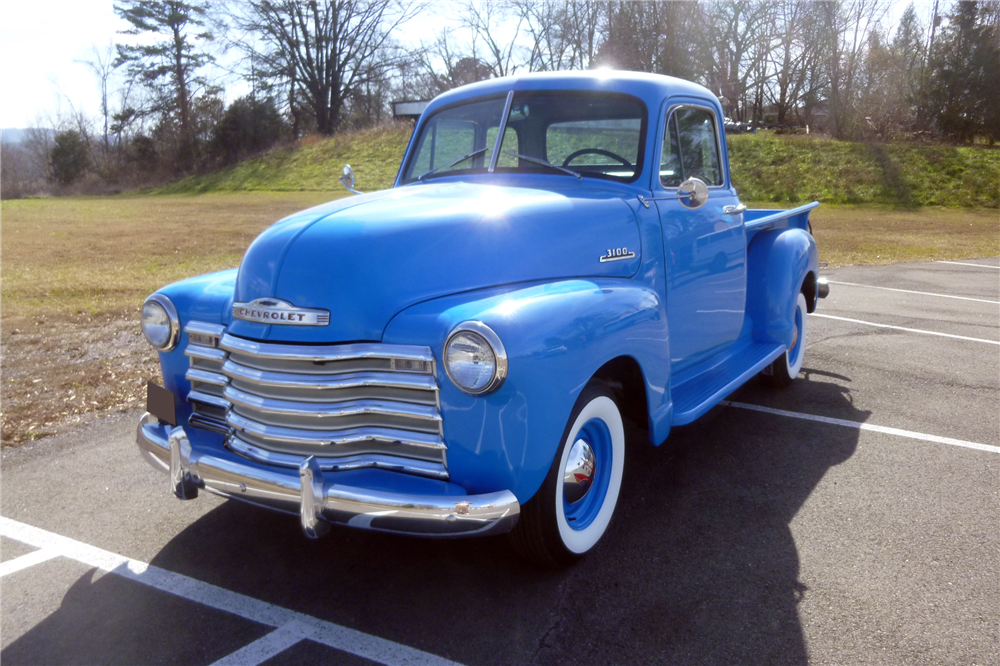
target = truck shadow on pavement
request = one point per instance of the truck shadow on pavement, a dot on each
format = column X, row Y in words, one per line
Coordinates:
column 698, row 567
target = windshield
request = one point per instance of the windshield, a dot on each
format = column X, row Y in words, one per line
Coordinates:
column 594, row 134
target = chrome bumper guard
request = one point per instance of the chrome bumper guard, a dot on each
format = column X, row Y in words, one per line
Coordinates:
column 317, row 500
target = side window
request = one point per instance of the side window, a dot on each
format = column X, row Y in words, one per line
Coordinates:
column 690, row 148
column 670, row 167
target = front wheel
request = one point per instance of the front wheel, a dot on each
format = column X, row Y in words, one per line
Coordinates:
column 571, row 511
column 781, row 373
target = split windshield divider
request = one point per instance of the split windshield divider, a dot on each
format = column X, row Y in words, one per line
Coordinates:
column 503, row 127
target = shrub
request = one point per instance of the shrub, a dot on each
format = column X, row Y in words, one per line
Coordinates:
column 69, row 158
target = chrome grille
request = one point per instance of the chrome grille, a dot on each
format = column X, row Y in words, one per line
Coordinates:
column 351, row 406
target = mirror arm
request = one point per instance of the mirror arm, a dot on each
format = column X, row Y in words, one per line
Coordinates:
column 645, row 200
column 689, row 189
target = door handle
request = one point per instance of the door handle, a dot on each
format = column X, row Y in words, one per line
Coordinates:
column 734, row 210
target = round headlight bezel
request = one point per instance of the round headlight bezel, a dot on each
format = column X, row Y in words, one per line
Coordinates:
column 175, row 322
column 492, row 340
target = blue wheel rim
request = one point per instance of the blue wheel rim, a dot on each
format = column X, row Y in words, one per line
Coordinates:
column 582, row 513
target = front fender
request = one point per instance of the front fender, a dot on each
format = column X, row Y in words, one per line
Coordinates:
column 207, row 298
column 557, row 335
column 777, row 264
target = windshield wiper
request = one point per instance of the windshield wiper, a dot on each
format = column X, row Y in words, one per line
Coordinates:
column 448, row 166
column 538, row 160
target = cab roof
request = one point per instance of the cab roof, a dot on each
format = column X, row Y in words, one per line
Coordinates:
column 651, row 88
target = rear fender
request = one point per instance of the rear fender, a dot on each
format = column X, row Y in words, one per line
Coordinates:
column 778, row 262
column 556, row 335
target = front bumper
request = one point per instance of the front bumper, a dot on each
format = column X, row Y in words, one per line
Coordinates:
column 317, row 500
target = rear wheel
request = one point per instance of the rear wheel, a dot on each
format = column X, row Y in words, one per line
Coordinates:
column 571, row 511
column 781, row 373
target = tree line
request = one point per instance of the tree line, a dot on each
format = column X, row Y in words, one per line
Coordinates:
column 323, row 66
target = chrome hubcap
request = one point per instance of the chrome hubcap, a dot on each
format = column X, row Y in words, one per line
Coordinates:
column 578, row 476
column 795, row 336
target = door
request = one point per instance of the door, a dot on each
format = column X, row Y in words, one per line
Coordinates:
column 705, row 248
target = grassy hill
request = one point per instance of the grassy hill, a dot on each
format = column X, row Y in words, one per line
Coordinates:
column 795, row 169
column 312, row 165
column 766, row 169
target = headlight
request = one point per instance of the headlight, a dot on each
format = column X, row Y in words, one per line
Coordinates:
column 474, row 358
column 160, row 325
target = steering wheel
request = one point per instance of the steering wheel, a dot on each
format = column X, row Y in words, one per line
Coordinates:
column 596, row 151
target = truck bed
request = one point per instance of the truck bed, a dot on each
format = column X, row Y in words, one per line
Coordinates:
column 759, row 219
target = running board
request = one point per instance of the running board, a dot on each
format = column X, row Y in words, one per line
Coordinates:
column 702, row 392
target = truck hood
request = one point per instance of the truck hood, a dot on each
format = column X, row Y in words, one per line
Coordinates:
column 366, row 258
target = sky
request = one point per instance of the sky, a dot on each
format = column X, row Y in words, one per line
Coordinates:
column 42, row 44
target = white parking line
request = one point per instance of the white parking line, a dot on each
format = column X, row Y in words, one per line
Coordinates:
column 264, row 647
column 903, row 328
column 333, row 635
column 865, row 426
column 25, row 561
column 909, row 291
column 959, row 263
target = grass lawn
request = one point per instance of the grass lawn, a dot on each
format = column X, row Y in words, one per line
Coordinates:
column 76, row 270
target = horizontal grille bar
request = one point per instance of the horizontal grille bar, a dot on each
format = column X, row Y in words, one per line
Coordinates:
column 310, row 411
column 205, row 377
column 208, row 422
column 205, row 353
column 364, row 461
column 204, row 328
column 347, row 380
column 208, row 399
column 325, row 353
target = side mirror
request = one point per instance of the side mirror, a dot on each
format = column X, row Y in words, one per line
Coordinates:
column 692, row 193
column 347, row 180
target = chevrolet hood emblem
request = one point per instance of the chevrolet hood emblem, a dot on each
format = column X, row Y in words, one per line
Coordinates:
column 277, row 311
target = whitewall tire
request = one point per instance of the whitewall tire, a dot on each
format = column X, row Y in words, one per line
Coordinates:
column 787, row 366
column 571, row 511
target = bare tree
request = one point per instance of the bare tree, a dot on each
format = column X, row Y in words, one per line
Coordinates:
column 442, row 66
column 326, row 50
column 101, row 63
column 19, row 173
column 661, row 37
column 563, row 34
column 742, row 34
column 583, row 25
column 846, row 26
column 795, row 56
column 486, row 20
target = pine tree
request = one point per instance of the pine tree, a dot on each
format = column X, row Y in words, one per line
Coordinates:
column 965, row 74
column 169, row 66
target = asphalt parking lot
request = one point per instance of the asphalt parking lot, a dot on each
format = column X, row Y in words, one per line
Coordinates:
column 850, row 519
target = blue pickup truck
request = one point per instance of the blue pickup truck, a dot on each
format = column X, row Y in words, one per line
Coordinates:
column 455, row 356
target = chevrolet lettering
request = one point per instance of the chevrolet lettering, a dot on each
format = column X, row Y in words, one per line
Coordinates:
column 274, row 311
column 560, row 252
